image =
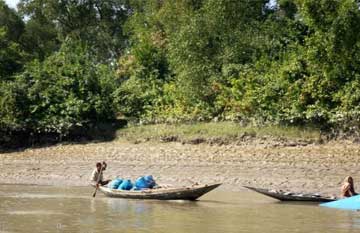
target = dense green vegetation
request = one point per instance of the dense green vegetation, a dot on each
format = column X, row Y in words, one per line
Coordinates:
column 70, row 64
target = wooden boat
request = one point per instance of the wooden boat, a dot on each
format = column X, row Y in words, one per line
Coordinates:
column 186, row 193
column 289, row 196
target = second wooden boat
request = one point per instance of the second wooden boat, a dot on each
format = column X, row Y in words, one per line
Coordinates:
column 186, row 193
column 289, row 196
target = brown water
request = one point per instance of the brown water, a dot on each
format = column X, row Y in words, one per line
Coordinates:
column 53, row 209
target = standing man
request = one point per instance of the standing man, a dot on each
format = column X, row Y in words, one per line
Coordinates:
column 97, row 175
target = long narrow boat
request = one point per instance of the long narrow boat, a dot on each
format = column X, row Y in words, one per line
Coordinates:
column 289, row 196
column 186, row 193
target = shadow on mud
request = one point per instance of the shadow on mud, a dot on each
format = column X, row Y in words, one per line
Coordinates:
column 21, row 140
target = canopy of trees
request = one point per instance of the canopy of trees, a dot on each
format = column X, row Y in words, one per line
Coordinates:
column 66, row 64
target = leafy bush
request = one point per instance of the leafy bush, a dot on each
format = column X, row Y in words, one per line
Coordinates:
column 66, row 91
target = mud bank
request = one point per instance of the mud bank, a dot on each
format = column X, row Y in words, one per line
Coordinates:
column 308, row 167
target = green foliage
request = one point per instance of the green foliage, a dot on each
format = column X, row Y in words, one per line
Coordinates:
column 13, row 106
column 98, row 23
column 292, row 64
column 12, row 57
column 66, row 91
column 40, row 39
column 213, row 131
column 296, row 63
column 144, row 69
column 11, row 22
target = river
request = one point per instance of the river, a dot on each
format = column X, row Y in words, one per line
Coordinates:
column 64, row 209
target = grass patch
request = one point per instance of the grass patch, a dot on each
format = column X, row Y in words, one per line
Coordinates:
column 224, row 130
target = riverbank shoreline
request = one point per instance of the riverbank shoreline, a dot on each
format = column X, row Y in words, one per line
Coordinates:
column 306, row 168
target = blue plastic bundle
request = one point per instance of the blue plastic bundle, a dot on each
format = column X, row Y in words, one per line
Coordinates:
column 126, row 185
column 114, row 184
column 141, row 183
column 144, row 182
column 150, row 181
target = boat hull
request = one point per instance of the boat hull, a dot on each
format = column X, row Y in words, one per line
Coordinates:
column 286, row 196
column 187, row 193
column 350, row 203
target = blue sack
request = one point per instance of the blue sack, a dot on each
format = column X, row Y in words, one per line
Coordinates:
column 114, row 184
column 126, row 185
column 150, row 181
column 141, row 183
column 145, row 182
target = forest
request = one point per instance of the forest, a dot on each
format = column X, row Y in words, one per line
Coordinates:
column 69, row 65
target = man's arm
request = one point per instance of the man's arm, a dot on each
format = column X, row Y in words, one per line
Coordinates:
column 345, row 189
column 104, row 166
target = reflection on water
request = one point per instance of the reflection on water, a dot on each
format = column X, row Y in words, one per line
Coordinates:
column 52, row 209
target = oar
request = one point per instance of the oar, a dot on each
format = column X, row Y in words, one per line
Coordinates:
column 98, row 180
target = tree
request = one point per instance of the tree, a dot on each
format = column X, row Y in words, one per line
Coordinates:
column 11, row 22
column 65, row 91
column 12, row 56
column 332, row 55
column 97, row 23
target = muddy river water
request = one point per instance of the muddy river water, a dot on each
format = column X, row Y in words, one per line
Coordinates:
column 64, row 209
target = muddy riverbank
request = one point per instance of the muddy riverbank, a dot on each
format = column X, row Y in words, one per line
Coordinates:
column 308, row 167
